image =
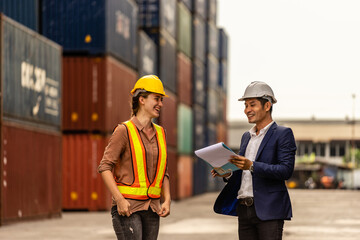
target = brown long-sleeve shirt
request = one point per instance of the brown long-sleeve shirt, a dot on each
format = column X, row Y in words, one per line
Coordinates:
column 117, row 158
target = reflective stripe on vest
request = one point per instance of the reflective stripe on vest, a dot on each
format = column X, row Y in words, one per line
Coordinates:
column 155, row 188
column 141, row 189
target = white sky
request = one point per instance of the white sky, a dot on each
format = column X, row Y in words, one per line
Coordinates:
column 308, row 51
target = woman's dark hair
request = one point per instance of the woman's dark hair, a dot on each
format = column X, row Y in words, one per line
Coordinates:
column 263, row 101
column 135, row 102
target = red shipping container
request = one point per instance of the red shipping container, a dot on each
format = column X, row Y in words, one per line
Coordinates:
column 168, row 118
column 173, row 172
column 96, row 93
column 222, row 106
column 184, row 79
column 83, row 187
column 30, row 172
column 185, row 179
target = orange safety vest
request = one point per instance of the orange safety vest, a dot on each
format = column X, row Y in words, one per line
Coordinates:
column 141, row 188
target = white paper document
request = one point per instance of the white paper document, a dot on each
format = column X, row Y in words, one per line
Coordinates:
column 218, row 156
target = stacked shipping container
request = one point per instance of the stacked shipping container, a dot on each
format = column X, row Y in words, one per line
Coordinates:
column 185, row 111
column 222, row 83
column 99, row 70
column 102, row 27
column 158, row 19
column 30, row 124
column 107, row 45
column 200, row 168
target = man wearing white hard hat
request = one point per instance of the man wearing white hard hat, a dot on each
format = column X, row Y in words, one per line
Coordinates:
column 257, row 193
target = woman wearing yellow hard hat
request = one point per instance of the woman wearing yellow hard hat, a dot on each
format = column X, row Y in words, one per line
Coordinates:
column 134, row 166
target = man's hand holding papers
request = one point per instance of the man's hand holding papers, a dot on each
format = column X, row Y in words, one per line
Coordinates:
column 218, row 156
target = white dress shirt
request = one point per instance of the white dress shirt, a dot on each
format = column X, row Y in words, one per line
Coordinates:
column 246, row 188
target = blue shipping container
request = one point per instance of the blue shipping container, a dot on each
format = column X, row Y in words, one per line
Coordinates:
column 147, row 55
column 201, row 172
column 223, row 75
column 98, row 27
column 25, row 12
column 30, row 74
column 158, row 14
column 223, row 44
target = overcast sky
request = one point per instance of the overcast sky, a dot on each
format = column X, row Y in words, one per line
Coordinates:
column 308, row 51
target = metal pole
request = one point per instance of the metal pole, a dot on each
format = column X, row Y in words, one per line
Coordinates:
column 353, row 133
column 353, row 142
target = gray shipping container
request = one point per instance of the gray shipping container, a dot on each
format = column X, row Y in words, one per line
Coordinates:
column 199, row 8
column 147, row 55
column 212, row 43
column 30, row 75
column 211, row 11
column 188, row 4
column 212, row 72
column 199, row 87
column 167, row 59
column 212, row 110
column 198, row 39
column 223, row 44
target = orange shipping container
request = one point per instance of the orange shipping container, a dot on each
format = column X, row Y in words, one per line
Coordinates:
column 96, row 93
column 184, row 79
column 185, row 179
column 83, row 187
column 30, row 172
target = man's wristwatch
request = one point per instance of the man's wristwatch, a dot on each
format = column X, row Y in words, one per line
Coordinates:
column 251, row 168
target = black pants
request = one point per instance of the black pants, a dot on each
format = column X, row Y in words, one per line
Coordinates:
column 141, row 225
column 250, row 227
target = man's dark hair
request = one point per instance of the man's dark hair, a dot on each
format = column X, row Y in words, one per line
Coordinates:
column 263, row 101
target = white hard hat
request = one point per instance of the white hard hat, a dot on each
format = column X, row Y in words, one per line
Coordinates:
column 259, row 89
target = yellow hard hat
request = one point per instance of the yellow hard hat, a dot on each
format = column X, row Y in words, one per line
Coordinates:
column 150, row 83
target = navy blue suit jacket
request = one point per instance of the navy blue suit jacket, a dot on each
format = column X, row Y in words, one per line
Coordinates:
column 274, row 163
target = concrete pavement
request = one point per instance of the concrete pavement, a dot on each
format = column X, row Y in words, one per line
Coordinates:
column 318, row 215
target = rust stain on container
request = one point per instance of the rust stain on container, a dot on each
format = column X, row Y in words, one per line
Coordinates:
column 184, row 79
column 168, row 118
column 83, row 187
column 31, row 172
column 96, row 93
